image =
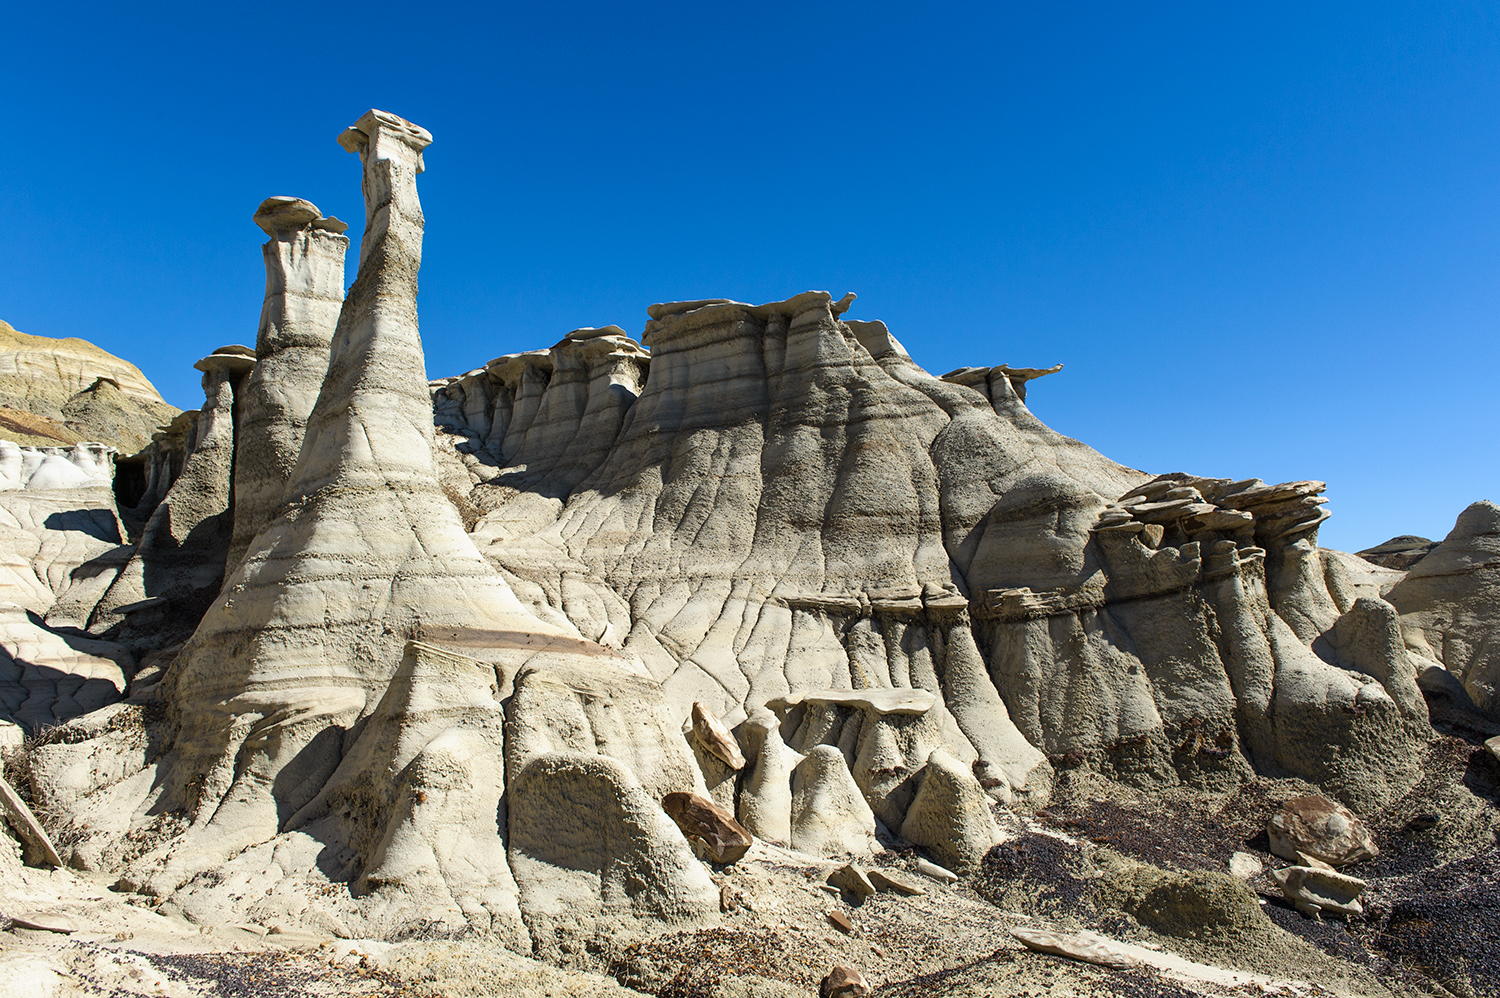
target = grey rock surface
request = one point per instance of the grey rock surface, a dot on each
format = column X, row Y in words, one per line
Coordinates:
column 1449, row 604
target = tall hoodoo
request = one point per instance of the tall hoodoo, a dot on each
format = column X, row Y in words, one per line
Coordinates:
column 304, row 292
column 365, row 553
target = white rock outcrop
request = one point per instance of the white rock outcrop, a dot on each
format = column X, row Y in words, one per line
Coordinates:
column 304, row 259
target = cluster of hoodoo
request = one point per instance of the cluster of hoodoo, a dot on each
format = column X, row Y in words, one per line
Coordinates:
column 530, row 650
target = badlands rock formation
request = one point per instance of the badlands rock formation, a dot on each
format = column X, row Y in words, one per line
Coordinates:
column 410, row 657
column 59, row 392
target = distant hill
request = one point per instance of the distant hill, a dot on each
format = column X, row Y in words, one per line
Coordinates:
column 61, row 391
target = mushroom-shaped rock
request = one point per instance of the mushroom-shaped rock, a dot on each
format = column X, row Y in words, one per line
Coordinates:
column 230, row 361
column 709, row 828
column 1318, row 827
column 950, row 815
column 304, row 261
column 829, row 814
column 277, row 215
column 181, row 552
column 713, row 736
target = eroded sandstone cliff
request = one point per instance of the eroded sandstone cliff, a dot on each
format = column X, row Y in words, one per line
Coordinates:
column 427, row 657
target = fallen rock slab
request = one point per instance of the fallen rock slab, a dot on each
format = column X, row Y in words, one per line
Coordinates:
column 1086, row 946
column 39, row 847
column 852, row 879
column 715, row 738
column 1091, row 947
column 941, row 874
column 896, row 883
column 1318, row 827
column 1313, row 891
column 45, row 921
column 707, row 825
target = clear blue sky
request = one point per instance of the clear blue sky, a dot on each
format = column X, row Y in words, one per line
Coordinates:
column 1262, row 237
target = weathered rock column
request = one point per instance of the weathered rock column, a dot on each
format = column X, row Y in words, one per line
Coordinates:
column 304, row 291
column 365, row 552
column 181, row 555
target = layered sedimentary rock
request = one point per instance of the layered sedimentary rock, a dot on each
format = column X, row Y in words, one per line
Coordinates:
column 60, row 392
column 1450, row 604
column 304, row 291
column 484, row 627
column 81, row 466
column 179, row 563
column 300, row 720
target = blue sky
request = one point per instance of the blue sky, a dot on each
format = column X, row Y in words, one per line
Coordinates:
column 1261, row 237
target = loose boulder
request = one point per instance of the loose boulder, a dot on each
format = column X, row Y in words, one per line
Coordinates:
column 1318, row 827
column 709, row 828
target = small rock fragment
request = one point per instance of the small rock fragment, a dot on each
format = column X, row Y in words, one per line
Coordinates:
column 714, row 737
column 841, row 921
column 1318, row 827
column 1312, row 890
column 1493, row 744
column 928, row 868
column 1244, row 865
column 46, row 921
column 889, row 880
column 852, row 879
column 843, row 982
column 708, row 826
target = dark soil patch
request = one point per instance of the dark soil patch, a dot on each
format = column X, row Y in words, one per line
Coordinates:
column 1443, row 923
column 981, row 976
column 254, row 975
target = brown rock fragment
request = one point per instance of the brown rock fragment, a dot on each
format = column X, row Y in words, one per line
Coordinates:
column 843, row 982
column 708, row 826
column 714, row 737
column 1322, row 829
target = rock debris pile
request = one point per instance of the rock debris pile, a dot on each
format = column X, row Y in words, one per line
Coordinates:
column 538, row 650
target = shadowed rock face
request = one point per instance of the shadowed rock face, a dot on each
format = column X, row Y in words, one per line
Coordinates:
column 482, row 627
column 1450, row 604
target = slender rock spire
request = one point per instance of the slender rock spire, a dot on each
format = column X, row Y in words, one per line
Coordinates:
column 365, row 553
column 304, row 291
